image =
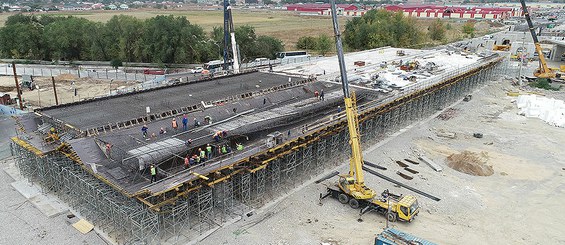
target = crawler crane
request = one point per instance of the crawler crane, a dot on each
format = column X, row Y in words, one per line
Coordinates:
column 351, row 188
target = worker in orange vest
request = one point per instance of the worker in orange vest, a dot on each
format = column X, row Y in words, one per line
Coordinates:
column 174, row 124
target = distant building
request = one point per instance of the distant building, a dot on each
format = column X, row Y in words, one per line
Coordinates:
column 454, row 12
column 319, row 8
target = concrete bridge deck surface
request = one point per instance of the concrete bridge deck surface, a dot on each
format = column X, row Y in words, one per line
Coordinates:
column 126, row 107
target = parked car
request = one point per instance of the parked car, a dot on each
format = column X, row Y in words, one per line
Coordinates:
column 197, row 70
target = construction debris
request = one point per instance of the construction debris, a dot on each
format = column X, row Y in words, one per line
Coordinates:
column 471, row 163
column 431, row 163
column 401, row 164
column 445, row 134
column 404, row 175
column 478, row 135
column 411, row 161
column 411, row 170
column 447, row 114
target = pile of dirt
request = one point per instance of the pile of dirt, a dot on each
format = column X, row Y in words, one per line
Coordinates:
column 471, row 163
column 4, row 89
column 66, row 77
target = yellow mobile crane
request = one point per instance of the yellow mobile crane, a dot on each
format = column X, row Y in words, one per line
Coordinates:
column 351, row 187
column 543, row 71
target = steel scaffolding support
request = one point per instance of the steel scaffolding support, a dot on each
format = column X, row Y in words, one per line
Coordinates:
column 128, row 221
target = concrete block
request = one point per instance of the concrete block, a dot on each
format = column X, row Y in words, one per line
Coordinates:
column 26, row 188
column 431, row 163
column 13, row 171
column 48, row 206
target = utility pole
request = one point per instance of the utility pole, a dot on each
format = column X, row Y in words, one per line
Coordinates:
column 521, row 60
column 18, row 90
column 55, row 91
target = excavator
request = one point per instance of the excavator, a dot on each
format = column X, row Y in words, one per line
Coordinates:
column 543, row 71
column 350, row 188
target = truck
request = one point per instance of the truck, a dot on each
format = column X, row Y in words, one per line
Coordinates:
column 350, row 188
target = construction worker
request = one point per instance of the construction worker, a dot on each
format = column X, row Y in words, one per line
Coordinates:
column 153, row 170
column 186, row 162
column 216, row 137
column 224, row 150
column 144, row 130
column 208, row 119
column 184, row 122
column 239, row 147
column 196, row 123
column 191, row 161
column 316, row 94
column 322, row 95
column 202, row 155
column 108, row 150
column 174, row 124
column 196, row 159
column 209, row 151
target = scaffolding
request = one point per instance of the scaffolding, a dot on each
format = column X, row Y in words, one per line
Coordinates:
column 208, row 205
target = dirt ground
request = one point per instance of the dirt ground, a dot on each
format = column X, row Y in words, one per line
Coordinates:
column 519, row 204
column 66, row 83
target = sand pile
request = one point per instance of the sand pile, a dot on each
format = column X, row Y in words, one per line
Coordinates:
column 66, row 77
column 470, row 163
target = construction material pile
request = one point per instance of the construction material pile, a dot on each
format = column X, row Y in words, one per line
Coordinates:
column 447, row 114
column 551, row 111
column 471, row 163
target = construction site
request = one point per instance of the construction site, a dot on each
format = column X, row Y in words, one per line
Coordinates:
column 289, row 136
column 249, row 157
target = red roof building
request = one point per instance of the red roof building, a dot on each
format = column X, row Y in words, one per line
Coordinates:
column 313, row 7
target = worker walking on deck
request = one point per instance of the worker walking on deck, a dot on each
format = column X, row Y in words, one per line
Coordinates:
column 196, row 159
column 108, row 150
column 144, row 130
column 322, row 95
column 209, row 151
column 184, row 123
column 186, row 162
column 202, row 155
column 224, row 149
column 239, row 146
column 317, row 94
column 153, row 170
column 174, row 124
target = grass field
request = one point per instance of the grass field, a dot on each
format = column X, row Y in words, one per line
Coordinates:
column 287, row 26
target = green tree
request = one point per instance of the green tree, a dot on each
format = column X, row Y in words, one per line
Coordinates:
column 469, row 28
column 22, row 41
column 436, row 30
column 245, row 37
column 379, row 28
column 267, row 47
column 306, row 42
column 69, row 38
column 324, row 44
column 116, row 63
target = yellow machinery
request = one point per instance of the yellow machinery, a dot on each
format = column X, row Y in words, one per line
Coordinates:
column 504, row 47
column 350, row 187
column 543, row 71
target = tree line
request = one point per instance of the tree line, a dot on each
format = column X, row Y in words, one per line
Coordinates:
column 161, row 39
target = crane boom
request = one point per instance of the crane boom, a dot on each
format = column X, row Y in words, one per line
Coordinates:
column 358, row 188
column 543, row 71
